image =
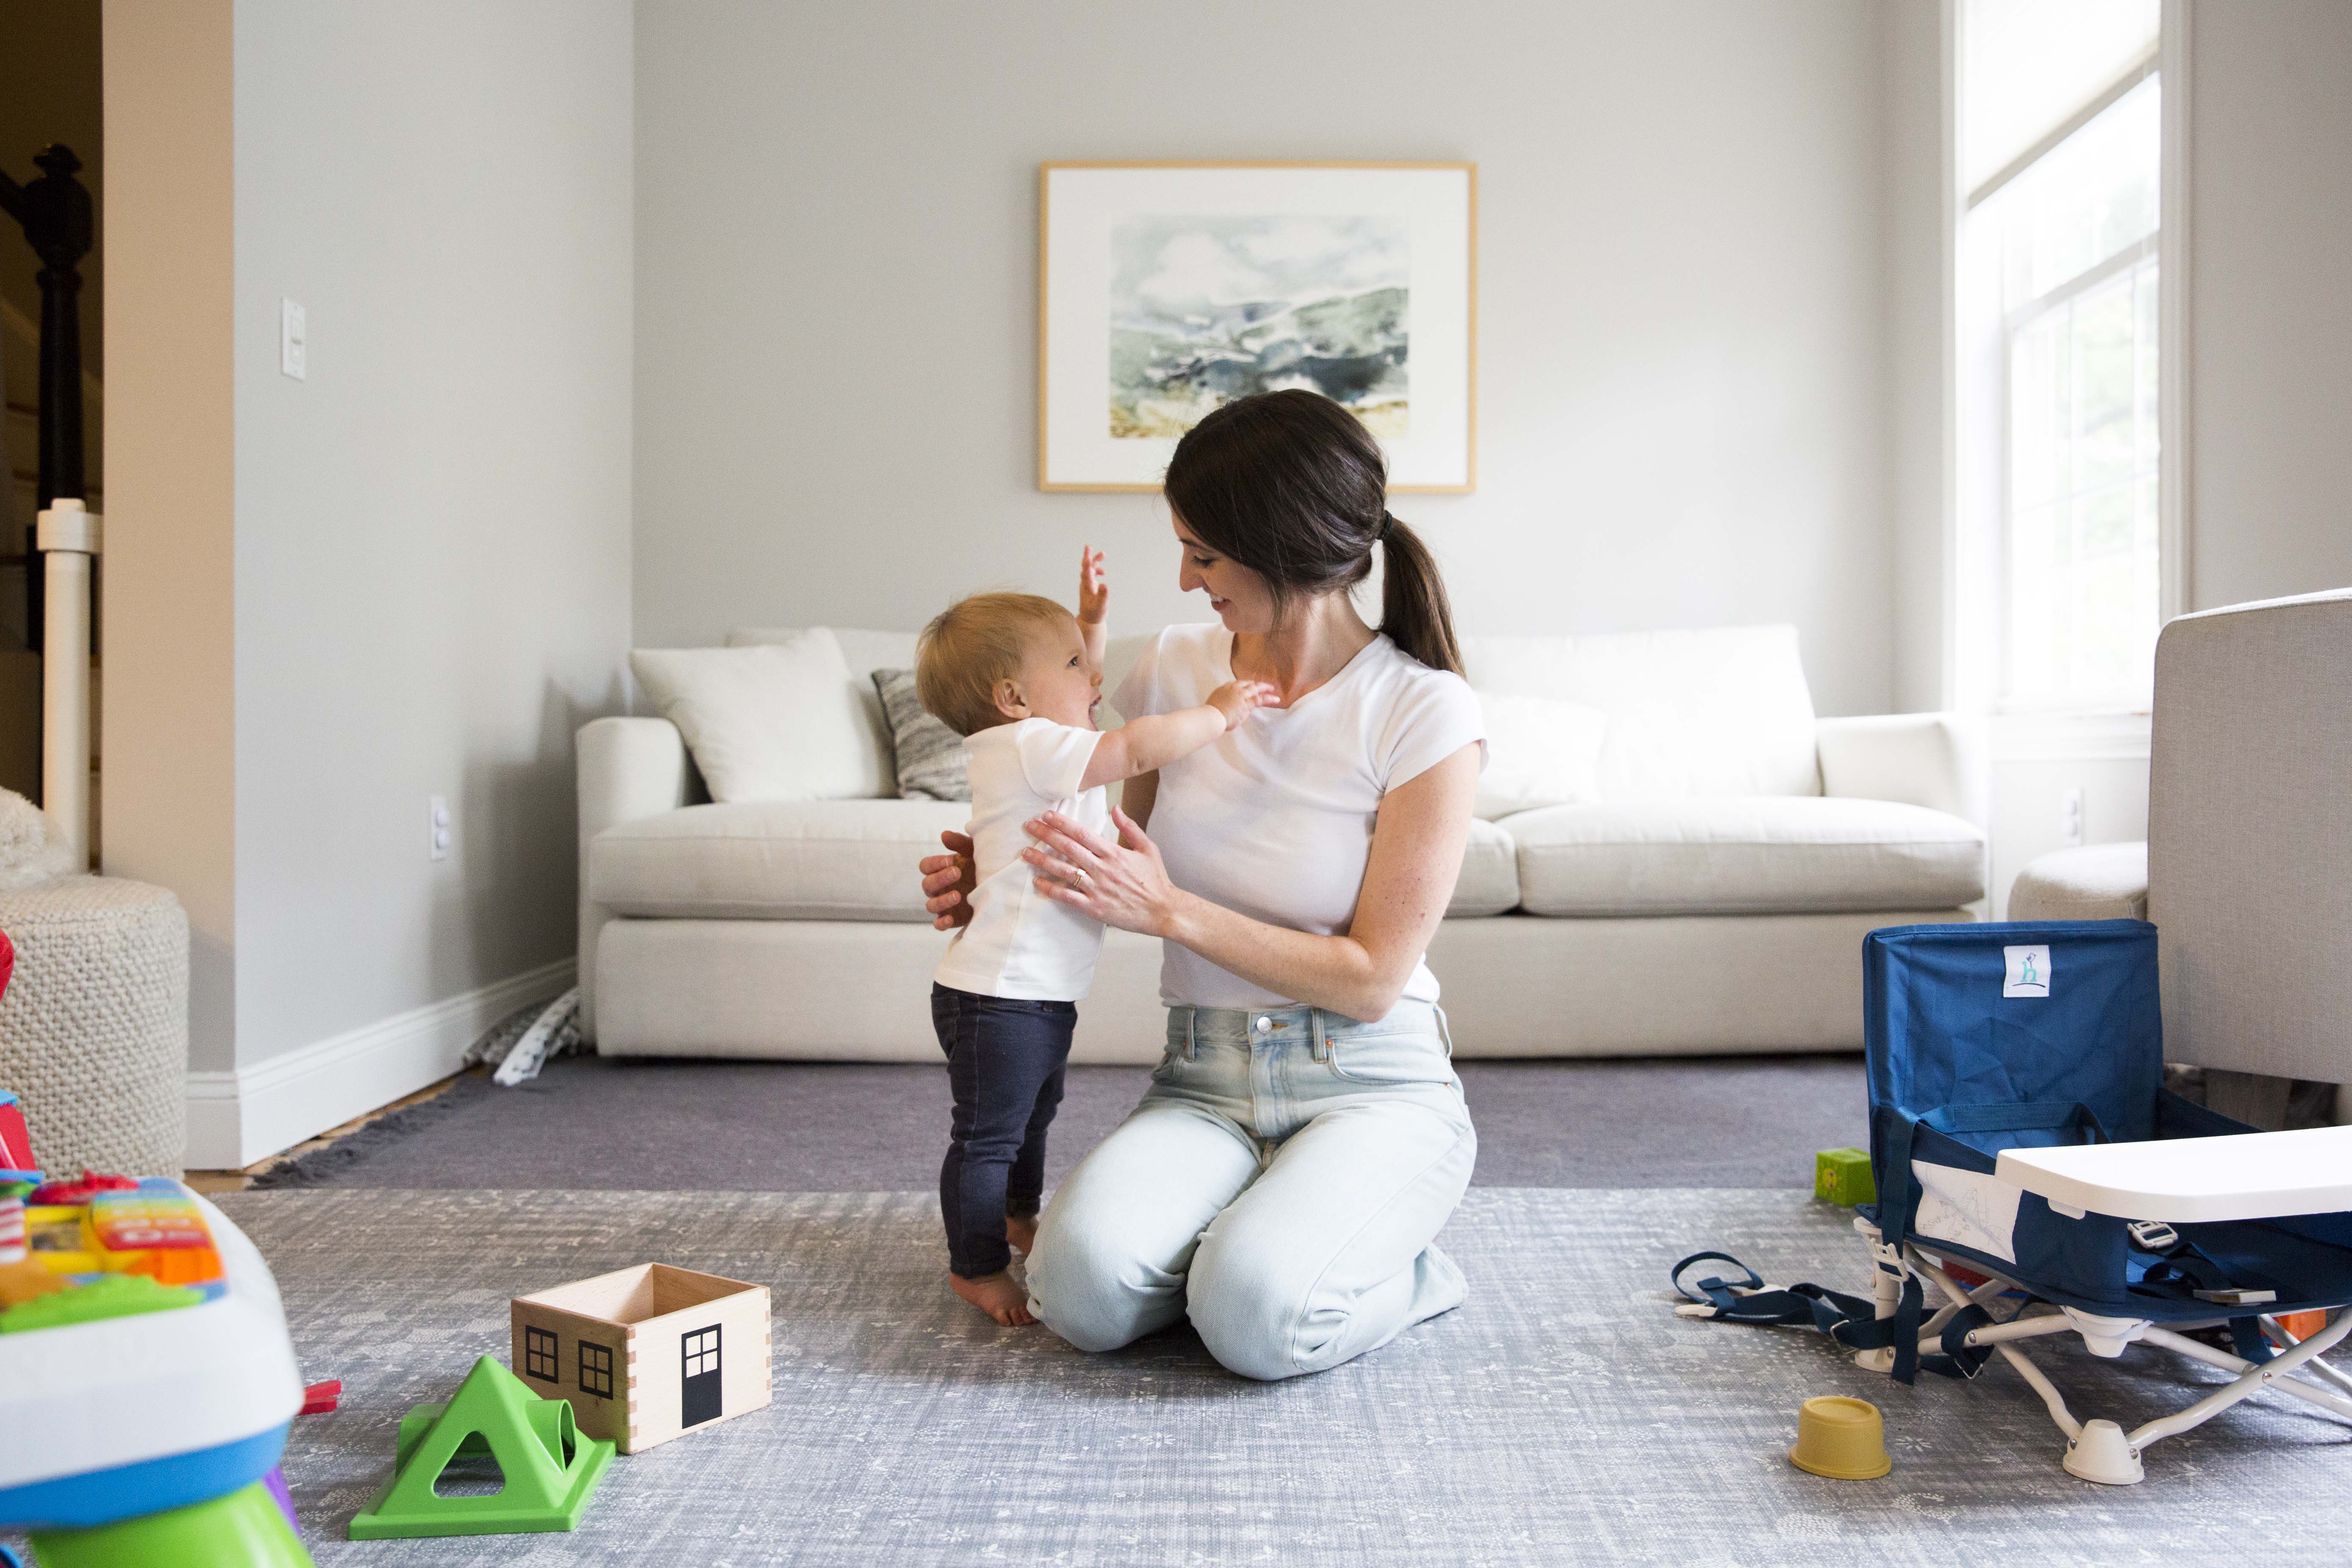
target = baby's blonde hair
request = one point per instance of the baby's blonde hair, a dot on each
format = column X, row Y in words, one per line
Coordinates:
column 969, row 646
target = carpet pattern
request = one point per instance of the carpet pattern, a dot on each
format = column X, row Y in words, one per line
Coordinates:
column 1562, row 1415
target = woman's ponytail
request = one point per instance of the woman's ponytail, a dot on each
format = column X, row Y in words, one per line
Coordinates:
column 1292, row 486
column 1414, row 614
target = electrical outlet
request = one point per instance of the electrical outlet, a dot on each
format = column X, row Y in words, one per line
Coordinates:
column 293, row 340
column 2070, row 815
column 438, row 827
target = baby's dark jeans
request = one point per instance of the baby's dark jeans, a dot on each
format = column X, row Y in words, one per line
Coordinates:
column 1005, row 1062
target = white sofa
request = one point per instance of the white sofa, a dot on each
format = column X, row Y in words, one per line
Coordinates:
column 1714, row 898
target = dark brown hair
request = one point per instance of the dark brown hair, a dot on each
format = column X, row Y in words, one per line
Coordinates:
column 1293, row 486
column 969, row 646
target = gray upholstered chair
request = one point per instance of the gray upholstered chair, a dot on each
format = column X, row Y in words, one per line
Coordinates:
column 2247, row 872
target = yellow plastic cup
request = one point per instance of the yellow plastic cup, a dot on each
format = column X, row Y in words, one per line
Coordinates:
column 1842, row 1438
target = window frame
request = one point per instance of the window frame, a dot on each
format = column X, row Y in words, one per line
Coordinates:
column 1975, row 566
column 533, row 1354
column 604, row 1374
column 2147, row 250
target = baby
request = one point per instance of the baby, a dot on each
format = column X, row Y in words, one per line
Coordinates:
column 1019, row 677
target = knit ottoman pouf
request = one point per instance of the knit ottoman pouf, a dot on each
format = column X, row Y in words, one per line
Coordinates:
column 94, row 1025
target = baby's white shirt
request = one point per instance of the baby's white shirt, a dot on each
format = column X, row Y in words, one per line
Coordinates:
column 1020, row 942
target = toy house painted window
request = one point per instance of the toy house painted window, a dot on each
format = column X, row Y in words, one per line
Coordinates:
column 539, row 1355
column 698, row 1393
column 596, row 1370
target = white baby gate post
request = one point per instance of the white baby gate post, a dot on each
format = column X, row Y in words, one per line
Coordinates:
column 68, row 537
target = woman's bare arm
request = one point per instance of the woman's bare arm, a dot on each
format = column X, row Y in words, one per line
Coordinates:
column 1416, row 858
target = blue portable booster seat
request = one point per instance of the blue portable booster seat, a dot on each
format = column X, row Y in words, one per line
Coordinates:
column 1986, row 1038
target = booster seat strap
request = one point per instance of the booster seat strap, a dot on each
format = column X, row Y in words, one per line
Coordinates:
column 2247, row 1339
column 1318, row 1044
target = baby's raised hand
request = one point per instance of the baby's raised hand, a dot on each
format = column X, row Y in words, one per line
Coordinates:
column 1234, row 698
column 1094, row 591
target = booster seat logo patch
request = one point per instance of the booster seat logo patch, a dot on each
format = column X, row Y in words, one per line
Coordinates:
column 2028, row 972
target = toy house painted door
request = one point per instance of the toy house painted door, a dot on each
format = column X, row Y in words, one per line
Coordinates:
column 699, row 1396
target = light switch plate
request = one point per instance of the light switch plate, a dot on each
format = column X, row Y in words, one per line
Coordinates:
column 293, row 340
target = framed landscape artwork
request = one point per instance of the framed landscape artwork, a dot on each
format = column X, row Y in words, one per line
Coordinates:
column 1166, row 289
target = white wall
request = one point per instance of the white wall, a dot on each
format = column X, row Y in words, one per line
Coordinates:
column 1682, row 365
column 2271, row 176
column 419, row 554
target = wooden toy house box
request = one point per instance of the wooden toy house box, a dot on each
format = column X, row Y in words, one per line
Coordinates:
column 648, row 1354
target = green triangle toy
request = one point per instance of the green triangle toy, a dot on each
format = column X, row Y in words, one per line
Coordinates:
column 550, row 1470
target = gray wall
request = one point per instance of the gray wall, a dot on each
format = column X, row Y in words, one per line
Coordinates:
column 1916, row 190
column 2270, row 232
column 1682, row 365
column 431, row 534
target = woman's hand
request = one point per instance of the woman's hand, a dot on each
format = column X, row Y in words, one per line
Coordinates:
column 948, row 882
column 1123, row 884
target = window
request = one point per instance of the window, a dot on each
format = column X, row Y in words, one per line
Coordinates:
column 539, row 1355
column 701, row 1351
column 2061, row 151
column 596, row 1370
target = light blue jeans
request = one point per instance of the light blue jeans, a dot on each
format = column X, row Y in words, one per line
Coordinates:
column 1279, row 1184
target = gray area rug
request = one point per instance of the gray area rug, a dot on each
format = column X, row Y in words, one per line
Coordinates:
column 1562, row 1415
column 838, row 1127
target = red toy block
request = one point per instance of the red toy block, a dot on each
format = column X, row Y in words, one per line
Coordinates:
column 321, row 1398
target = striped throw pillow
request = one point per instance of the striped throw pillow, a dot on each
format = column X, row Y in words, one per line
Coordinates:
column 932, row 757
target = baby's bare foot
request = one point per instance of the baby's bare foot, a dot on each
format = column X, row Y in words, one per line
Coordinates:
column 1020, row 1230
column 996, row 1295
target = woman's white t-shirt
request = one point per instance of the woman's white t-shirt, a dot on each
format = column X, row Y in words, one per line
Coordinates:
column 1274, row 821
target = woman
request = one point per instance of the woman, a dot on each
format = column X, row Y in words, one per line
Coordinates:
column 1305, row 1136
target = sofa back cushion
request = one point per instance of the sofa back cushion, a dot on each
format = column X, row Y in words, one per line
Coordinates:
column 777, row 721
column 1723, row 711
column 864, row 653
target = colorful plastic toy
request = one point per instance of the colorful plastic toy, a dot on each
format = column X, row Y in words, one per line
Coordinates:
column 1842, row 1176
column 146, row 1384
column 16, row 1140
column 1843, row 1438
column 550, row 1470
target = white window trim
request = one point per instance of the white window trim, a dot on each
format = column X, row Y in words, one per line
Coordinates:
column 2175, row 556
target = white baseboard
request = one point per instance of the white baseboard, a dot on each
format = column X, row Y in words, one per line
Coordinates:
column 235, row 1118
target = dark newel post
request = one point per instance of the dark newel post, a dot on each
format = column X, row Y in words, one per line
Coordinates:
column 55, row 211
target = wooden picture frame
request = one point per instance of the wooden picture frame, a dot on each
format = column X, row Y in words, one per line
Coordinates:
column 1171, row 286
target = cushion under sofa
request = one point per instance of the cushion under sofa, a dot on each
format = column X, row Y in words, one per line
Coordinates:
column 855, row 860
column 802, row 859
column 1755, row 854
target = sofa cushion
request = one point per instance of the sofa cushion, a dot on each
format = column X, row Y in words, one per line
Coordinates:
column 1787, row 855
column 864, row 652
column 1718, row 712
column 773, row 722
column 1540, row 751
column 809, row 861
column 1489, row 883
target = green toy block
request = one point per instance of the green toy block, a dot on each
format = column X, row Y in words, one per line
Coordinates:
column 1842, row 1176
column 241, row 1529
column 550, row 1470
